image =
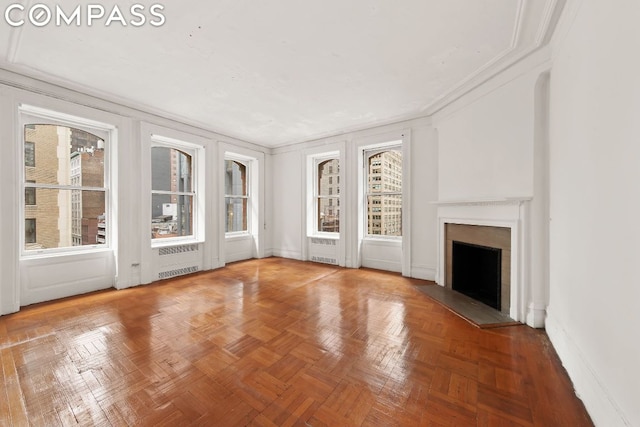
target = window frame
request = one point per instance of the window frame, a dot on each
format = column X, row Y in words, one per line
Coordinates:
column 367, row 154
column 195, row 152
column 318, row 160
column 30, row 116
column 247, row 196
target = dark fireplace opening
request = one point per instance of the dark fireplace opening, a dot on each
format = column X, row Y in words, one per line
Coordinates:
column 476, row 272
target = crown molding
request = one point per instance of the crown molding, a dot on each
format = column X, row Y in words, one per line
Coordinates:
column 526, row 40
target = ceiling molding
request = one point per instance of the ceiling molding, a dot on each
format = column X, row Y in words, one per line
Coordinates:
column 29, row 80
column 508, row 58
column 517, row 29
column 552, row 12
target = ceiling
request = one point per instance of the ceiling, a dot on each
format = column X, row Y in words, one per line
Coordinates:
column 284, row 71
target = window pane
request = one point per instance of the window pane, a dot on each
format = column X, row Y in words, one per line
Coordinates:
column 327, row 170
column 65, row 218
column 62, row 155
column 30, row 194
column 175, row 218
column 384, row 203
column 170, row 170
column 385, row 172
column 29, row 154
column 328, row 215
column 29, row 231
column 384, row 215
column 235, row 182
column 236, row 218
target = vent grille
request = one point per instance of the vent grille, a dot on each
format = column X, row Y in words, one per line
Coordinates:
column 177, row 272
column 172, row 250
column 324, row 260
column 321, row 241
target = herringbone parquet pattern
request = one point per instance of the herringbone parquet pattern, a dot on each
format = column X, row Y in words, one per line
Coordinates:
column 275, row 342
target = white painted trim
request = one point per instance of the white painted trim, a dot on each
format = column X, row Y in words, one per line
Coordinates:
column 570, row 10
column 199, row 187
column 597, row 399
column 534, row 64
column 423, row 272
column 392, row 128
column 10, row 196
column 382, row 264
column 552, row 11
column 407, row 194
column 286, row 253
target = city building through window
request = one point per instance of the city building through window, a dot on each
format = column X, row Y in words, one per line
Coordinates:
column 64, row 171
column 327, row 196
column 172, row 192
column 236, row 196
column 383, row 185
column 30, row 231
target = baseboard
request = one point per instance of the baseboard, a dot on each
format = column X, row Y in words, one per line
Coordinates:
column 597, row 400
column 9, row 308
column 381, row 264
column 536, row 315
column 423, row 272
column 285, row 253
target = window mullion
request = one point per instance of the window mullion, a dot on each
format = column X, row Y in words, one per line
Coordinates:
column 173, row 193
column 63, row 187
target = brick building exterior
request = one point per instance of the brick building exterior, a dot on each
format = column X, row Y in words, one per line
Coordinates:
column 59, row 155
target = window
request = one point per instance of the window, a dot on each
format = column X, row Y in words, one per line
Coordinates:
column 327, row 200
column 172, row 191
column 69, row 181
column 236, row 196
column 30, row 194
column 30, row 231
column 30, row 151
column 383, row 186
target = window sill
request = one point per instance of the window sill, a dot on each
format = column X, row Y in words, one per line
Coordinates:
column 44, row 253
column 332, row 236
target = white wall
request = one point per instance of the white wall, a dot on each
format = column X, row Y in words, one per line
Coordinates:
column 486, row 144
column 424, row 191
column 289, row 182
column 595, row 234
column 286, row 202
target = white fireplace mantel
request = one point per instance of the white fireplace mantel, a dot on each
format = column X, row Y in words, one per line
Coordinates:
column 483, row 202
column 511, row 212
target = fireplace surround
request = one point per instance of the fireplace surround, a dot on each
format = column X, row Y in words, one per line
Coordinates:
column 481, row 243
column 513, row 216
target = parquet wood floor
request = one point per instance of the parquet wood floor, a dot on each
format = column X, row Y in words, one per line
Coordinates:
column 275, row 342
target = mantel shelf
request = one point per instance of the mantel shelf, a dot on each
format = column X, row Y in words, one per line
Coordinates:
column 491, row 201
